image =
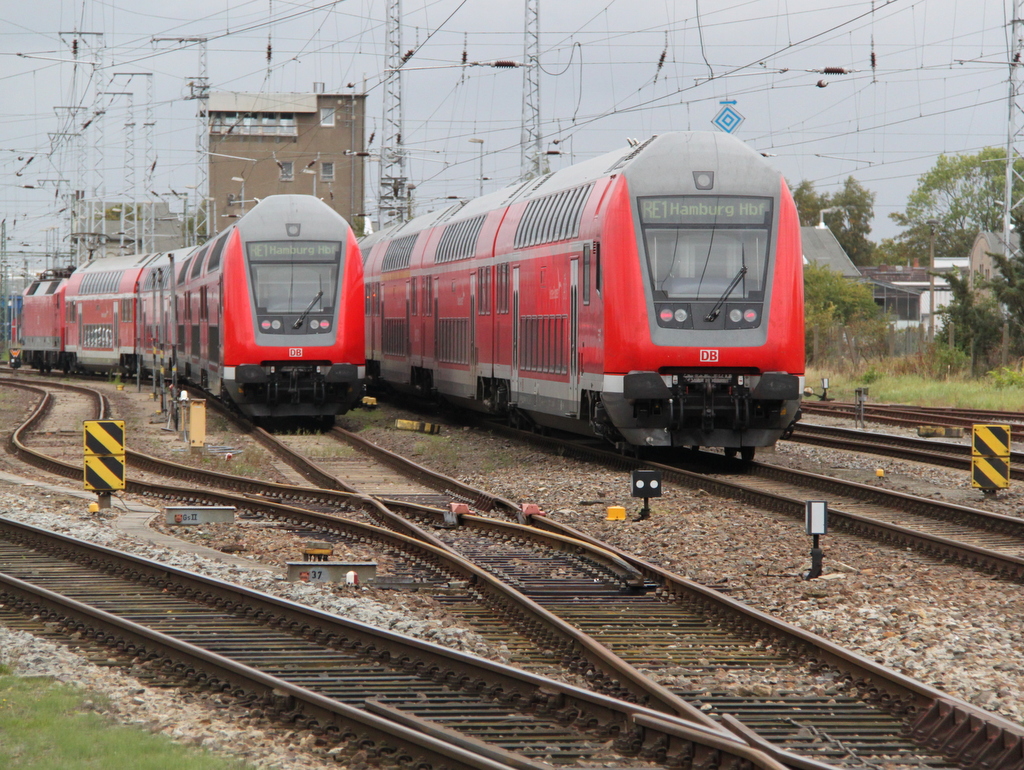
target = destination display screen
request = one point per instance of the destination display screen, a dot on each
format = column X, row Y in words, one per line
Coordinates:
column 294, row 251
column 704, row 210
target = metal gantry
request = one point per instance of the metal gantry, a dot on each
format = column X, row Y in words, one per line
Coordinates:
column 1015, row 129
column 393, row 190
column 531, row 157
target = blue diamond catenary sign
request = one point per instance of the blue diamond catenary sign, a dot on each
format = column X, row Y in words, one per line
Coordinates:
column 728, row 119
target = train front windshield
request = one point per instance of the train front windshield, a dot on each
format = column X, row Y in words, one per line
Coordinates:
column 295, row 285
column 706, row 247
column 291, row 277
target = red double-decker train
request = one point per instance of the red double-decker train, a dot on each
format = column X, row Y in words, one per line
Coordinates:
column 652, row 296
column 268, row 314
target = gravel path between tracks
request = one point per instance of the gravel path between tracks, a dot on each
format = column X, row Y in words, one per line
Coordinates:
column 957, row 630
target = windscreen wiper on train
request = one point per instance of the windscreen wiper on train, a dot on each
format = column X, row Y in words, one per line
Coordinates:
column 319, row 294
column 721, row 300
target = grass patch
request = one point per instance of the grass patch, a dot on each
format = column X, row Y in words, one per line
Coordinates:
column 45, row 725
column 440, row 452
column 361, row 418
column 899, row 388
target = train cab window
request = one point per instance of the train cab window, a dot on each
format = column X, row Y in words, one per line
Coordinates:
column 215, row 253
column 706, row 248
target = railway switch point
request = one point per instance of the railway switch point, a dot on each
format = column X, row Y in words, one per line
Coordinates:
column 616, row 513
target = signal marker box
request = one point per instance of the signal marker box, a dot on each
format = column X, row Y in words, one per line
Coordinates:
column 199, row 514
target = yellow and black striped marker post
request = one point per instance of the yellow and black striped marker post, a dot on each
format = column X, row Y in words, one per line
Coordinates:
column 990, row 457
column 104, row 457
column 419, row 427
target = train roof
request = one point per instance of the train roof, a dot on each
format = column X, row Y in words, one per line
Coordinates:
column 656, row 157
column 118, row 263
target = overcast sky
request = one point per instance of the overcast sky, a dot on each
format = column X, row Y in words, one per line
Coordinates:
column 938, row 85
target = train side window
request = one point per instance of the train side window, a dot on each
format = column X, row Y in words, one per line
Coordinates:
column 218, row 247
column 501, row 289
column 428, row 293
column 183, row 273
column 597, row 267
column 197, row 263
column 483, row 291
column 202, row 304
column 414, row 298
column 586, row 273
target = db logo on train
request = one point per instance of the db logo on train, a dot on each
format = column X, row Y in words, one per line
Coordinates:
column 294, row 352
column 709, row 356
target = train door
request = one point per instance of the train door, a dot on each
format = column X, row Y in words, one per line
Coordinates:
column 115, row 325
column 472, row 323
column 574, row 334
column 515, row 335
column 408, row 322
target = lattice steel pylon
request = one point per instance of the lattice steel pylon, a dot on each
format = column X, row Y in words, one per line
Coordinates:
column 531, row 159
column 1015, row 129
column 199, row 90
column 393, row 189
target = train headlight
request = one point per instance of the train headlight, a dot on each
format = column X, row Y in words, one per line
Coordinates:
column 680, row 315
column 665, row 314
column 275, row 325
column 750, row 315
column 735, row 315
column 325, row 325
column 264, row 325
column 314, row 324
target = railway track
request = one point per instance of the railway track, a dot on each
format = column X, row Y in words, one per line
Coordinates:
column 930, row 451
column 398, row 699
column 973, row 537
column 913, row 416
column 591, row 597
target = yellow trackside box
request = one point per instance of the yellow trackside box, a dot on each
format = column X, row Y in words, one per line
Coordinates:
column 990, row 457
column 103, row 444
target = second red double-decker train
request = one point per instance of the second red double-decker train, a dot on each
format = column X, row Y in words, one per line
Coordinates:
column 267, row 314
column 653, row 296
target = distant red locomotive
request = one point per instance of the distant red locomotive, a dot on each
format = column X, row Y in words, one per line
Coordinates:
column 268, row 314
column 653, row 296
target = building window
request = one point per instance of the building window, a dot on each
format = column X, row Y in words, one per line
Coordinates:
column 327, row 171
column 287, row 171
column 327, row 117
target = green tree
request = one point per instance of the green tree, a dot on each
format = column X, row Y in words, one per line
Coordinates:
column 975, row 317
column 850, row 222
column 833, row 302
column 964, row 193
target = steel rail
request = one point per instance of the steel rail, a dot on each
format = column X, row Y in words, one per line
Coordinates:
column 939, row 719
column 946, row 453
column 346, row 723
column 1004, row 565
column 608, row 671
column 638, row 724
